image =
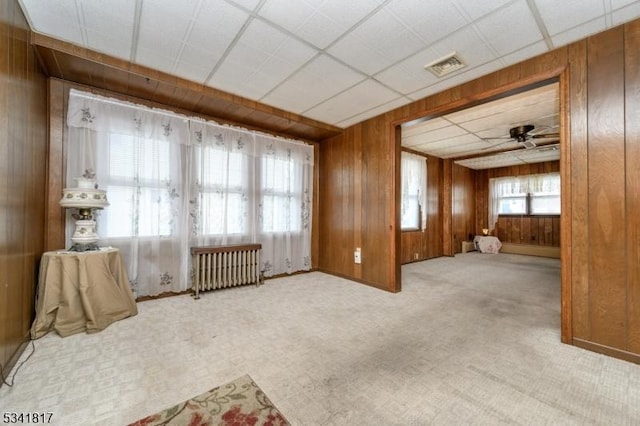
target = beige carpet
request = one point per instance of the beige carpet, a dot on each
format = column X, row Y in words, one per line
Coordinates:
column 240, row 402
column 473, row 339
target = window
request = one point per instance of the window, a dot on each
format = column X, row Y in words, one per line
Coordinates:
column 524, row 195
column 281, row 195
column 137, row 187
column 222, row 177
column 413, row 199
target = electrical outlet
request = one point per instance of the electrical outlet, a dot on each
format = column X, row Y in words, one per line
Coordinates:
column 415, row 256
column 357, row 255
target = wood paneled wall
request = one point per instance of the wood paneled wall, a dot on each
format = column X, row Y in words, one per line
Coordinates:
column 427, row 244
column 600, row 151
column 531, row 230
column 357, row 205
column 482, row 185
column 23, row 142
column 463, row 210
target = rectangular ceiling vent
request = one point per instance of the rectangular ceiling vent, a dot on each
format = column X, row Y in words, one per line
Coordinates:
column 443, row 66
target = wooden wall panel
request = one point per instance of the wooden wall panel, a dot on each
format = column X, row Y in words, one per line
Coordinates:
column 463, row 206
column 531, row 230
column 22, row 185
column 427, row 244
column 576, row 261
column 607, row 237
column 632, row 158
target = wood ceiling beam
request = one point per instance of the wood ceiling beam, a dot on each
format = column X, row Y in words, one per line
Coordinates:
column 74, row 63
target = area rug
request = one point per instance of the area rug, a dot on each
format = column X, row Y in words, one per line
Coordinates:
column 238, row 403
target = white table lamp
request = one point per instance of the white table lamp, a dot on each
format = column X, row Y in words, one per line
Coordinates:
column 85, row 197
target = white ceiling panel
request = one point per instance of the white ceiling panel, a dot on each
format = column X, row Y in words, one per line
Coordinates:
column 319, row 80
column 319, row 23
column 524, row 53
column 510, row 28
column 60, row 19
column 572, row 13
column 216, row 25
column 410, row 75
column 477, row 9
column 578, row 32
column 249, row 5
column 357, row 100
column 429, row 23
column 264, row 50
column 262, row 58
column 626, row 13
column 381, row 109
column 377, row 43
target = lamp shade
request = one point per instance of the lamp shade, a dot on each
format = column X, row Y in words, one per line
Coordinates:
column 84, row 196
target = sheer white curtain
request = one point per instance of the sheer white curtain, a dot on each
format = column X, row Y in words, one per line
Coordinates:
column 138, row 156
column 285, row 174
column 250, row 187
column 413, row 188
column 175, row 182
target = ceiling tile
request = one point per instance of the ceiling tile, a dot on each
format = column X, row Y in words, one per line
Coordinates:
column 626, row 13
column 246, row 4
column 430, row 23
column 579, row 32
column 376, row 44
column 410, row 75
column 572, row 13
column 524, row 53
column 319, row 23
column 510, row 28
column 316, row 82
column 216, row 26
column 262, row 58
column 396, row 103
column 357, row 100
column 478, row 9
column 149, row 57
column 59, row 19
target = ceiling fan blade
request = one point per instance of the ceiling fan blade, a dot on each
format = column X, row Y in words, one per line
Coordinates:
column 545, row 135
column 497, row 145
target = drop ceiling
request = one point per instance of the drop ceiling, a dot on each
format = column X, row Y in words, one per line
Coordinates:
column 479, row 137
column 337, row 62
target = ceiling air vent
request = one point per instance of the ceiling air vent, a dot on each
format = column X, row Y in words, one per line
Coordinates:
column 446, row 65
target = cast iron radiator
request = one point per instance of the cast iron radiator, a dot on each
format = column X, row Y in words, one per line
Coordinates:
column 217, row 267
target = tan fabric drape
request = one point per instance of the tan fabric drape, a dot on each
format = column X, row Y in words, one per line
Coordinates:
column 81, row 292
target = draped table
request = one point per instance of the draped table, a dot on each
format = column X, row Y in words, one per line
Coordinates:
column 487, row 244
column 81, row 291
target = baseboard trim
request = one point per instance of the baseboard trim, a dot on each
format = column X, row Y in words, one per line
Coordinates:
column 531, row 250
column 607, row 350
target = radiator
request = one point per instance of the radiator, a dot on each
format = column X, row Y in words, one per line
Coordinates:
column 217, row 267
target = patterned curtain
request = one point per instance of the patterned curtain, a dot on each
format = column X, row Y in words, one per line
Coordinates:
column 175, row 182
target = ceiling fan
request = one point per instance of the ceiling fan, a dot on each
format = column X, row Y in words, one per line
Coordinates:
column 522, row 135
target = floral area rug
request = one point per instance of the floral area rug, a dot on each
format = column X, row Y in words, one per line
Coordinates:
column 238, row 403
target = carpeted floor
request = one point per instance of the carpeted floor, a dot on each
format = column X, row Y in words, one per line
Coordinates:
column 472, row 339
